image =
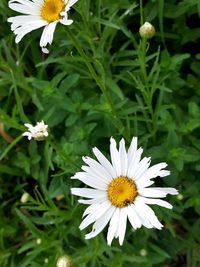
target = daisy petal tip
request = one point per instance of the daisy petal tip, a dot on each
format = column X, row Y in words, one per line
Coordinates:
column 45, row 50
column 112, row 140
column 173, row 191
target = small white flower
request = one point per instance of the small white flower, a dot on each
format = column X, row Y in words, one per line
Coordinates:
column 37, row 14
column 38, row 132
column 120, row 191
column 64, row 261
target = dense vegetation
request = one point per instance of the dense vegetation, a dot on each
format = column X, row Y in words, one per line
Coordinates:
column 100, row 79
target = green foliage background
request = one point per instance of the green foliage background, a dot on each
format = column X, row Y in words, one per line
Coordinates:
column 110, row 86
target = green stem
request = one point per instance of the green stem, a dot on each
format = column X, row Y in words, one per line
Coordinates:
column 141, row 13
column 143, row 63
column 147, row 94
column 99, row 82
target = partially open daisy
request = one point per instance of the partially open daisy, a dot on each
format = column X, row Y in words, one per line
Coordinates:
column 38, row 132
column 120, row 190
column 37, row 14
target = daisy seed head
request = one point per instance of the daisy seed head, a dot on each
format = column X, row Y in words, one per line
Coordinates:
column 51, row 10
column 122, row 191
column 119, row 191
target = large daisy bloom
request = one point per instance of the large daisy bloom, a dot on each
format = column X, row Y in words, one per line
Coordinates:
column 38, row 132
column 37, row 14
column 120, row 191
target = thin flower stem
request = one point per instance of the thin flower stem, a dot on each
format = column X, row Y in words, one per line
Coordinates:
column 142, row 58
column 141, row 13
column 99, row 82
column 147, row 92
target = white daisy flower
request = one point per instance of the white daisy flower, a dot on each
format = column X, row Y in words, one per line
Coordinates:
column 37, row 14
column 38, row 132
column 120, row 191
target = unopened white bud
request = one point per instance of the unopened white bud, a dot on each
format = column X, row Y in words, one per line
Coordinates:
column 179, row 196
column 46, row 260
column 143, row 252
column 64, row 261
column 38, row 241
column 147, row 30
column 24, row 197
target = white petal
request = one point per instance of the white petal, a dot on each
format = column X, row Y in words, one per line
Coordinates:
column 22, row 20
column 30, row 8
column 140, row 183
column 47, row 35
column 159, row 202
column 23, row 2
column 157, row 192
column 132, row 150
column 92, row 201
column 133, row 217
column 104, row 162
column 45, row 50
column 95, row 166
column 148, row 213
column 122, row 224
column 100, row 224
column 155, row 170
column 115, row 156
column 29, row 135
column 92, row 208
column 133, row 165
column 71, row 2
column 88, row 193
column 123, row 157
column 91, row 181
column 96, row 214
column 26, row 28
column 142, row 166
column 26, row 134
column 113, row 226
column 66, row 21
column 143, row 218
column 95, row 172
column 28, row 125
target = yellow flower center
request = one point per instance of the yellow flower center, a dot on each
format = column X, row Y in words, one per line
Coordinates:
column 51, row 9
column 122, row 191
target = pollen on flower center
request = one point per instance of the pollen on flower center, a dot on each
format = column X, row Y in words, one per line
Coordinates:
column 122, row 191
column 51, row 10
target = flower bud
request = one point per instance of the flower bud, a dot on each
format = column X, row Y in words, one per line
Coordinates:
column 24, row 197
column 64, row 261
column 143, row 252
column 147, row 30
column 38, row 241
column 180, row 197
